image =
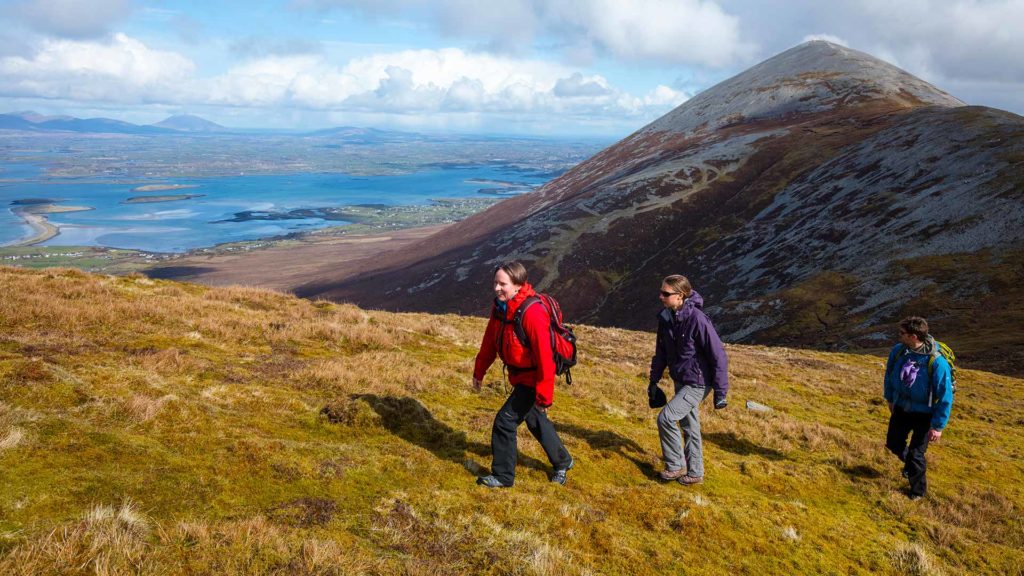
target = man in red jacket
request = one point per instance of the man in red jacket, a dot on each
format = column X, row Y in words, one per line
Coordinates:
column 531, row 371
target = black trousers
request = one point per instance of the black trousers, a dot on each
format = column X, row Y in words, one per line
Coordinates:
column 519, row 407
column 917, row 425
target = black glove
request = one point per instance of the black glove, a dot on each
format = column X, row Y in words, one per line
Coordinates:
column 720, row 402
column 655, row 396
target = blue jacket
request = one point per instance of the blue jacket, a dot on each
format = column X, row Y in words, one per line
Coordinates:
column 930, row 393
column 691, row 349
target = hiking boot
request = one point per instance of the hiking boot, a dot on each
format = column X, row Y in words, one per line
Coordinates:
column 914, row 497
column 491, row 482
column 671, row 474
column 559, row 475
column 688, row 480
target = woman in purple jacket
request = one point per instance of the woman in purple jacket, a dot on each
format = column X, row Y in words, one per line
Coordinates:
column 693, row 353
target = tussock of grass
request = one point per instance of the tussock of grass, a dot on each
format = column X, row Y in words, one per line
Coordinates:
column 913, row 560
column 151, row 427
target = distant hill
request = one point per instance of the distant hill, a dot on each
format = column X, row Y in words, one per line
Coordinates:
column 184, row 123
column 15, row 122
column 36, row 117
column 152, row 427
column 190, row 123
column 31, row 121
column 356, row 135
column 99, row 125
column 814, row 199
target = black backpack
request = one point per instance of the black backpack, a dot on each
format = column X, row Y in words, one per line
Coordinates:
column 563, row 340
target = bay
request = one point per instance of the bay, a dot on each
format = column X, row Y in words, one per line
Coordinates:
column 198, row 222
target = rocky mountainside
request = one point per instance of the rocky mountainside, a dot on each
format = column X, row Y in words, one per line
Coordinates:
column 813, row 200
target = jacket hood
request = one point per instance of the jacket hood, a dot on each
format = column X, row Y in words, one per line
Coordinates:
column 929, row 348
column 929, row 345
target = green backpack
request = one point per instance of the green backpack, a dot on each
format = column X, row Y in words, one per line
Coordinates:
column 947, row 353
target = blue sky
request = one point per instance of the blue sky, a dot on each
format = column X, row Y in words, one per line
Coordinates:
column 552, row 67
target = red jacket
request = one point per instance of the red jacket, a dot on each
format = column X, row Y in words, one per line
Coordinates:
column 538, row 357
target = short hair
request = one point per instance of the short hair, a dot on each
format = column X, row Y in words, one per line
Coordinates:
column 515, row 270
column 679, row 283
column 915, row 325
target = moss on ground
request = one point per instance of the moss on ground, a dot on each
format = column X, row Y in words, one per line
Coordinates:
column 152, row 427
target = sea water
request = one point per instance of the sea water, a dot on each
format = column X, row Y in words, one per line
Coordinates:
column 180, row 225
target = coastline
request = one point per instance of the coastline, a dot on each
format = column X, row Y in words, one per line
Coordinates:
column 35, row 217
column 294, row 259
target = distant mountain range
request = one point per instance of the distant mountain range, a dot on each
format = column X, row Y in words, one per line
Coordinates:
column 813, row 199
column 30, row 121
column 33, row 122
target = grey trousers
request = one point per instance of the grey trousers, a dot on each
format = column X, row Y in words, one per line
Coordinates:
column 682, row 410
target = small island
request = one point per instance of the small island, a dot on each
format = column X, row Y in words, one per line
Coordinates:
column 161, row 198
column 163, row 187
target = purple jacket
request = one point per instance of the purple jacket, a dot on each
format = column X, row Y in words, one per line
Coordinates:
column 691, row 349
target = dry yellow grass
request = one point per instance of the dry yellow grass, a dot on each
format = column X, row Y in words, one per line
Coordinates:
column 150, row 427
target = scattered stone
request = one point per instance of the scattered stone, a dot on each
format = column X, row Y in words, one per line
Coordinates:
column 758, row 407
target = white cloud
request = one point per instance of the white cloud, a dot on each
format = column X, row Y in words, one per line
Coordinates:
column 696, row 32
column 941, row 41
column 663, row 96
column 397, row 92
column 120, row 70
column 465, row 94
column 76, row 19
column 448, row 82
column 579, row 86
column 964, row 40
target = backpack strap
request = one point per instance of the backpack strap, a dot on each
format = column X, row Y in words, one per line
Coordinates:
column 517, row 329
column 517, row 320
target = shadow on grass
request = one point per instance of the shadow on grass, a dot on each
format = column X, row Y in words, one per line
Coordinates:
column 862, row 471
column 729, row 442
column 606, row 440
column 406, row 418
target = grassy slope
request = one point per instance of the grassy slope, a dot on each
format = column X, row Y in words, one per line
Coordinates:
column 155, row 427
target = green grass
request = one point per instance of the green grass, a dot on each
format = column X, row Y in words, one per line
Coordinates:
column 153, row 427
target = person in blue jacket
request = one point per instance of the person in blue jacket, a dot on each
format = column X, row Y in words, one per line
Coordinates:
column 919, row 390
column 693, row 353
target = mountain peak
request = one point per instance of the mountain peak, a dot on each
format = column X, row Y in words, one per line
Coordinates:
column 816, row 76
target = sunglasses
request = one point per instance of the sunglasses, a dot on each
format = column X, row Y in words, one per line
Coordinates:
column 667, row 294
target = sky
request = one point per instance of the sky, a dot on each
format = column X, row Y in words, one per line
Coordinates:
column 600, row 68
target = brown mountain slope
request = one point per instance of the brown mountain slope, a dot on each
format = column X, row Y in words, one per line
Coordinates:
column 811, row 199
